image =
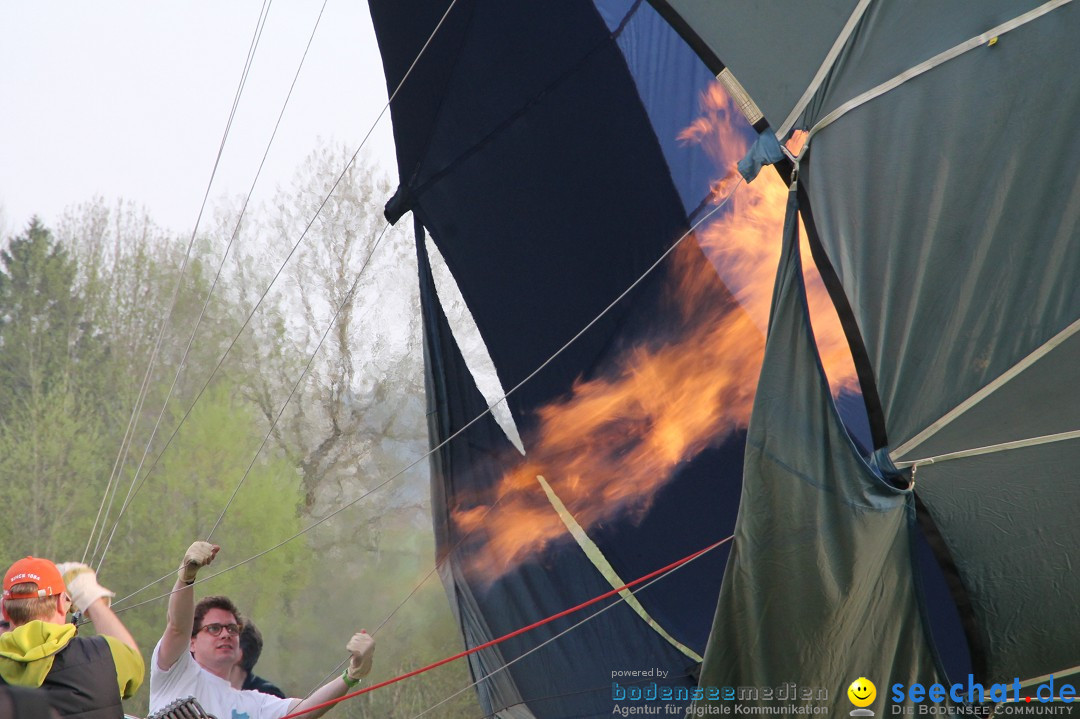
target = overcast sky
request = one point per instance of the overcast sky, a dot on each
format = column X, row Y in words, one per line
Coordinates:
column 129, row 99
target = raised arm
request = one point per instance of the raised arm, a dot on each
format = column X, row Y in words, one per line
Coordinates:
column 93, row 600
column 362, row 649
column 181, row 617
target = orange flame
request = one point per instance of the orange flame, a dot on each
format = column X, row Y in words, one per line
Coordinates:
column 745, row 243
column 608, row 447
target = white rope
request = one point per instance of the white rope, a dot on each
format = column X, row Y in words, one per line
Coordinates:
column 125, row 444
column 594, row 615
column 251, row 314
column 474, row 420
column 296, row 385
column 131, row 495
column 228, row 247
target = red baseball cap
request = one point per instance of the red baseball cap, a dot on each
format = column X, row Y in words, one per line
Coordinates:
column 31, row 570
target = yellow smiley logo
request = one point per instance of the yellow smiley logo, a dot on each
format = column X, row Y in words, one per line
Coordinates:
column 862, row 692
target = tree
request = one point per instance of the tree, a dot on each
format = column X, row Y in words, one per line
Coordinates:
column 46, row 344
column 356, row 421
column 79, row 315
column 53, row 366
column 360, row 416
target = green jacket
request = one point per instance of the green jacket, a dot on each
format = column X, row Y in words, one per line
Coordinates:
column 29, row 654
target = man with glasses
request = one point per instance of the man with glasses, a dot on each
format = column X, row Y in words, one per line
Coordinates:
column 201, row 645
column 83, row 676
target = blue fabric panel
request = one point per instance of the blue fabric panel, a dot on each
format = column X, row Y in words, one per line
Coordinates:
column 670, row 79
column 540, row 176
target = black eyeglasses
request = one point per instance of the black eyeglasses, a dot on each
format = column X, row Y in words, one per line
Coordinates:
column 215, row 629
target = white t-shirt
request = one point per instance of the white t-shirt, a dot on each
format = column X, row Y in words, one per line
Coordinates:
column 215, row 695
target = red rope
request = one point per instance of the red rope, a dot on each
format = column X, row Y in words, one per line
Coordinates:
column 511, row 635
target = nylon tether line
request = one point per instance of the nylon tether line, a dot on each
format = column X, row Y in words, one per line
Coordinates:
column 228, row 247
column 459, row 431
column 125, row 444
column 337, row 670
column 192, row 407
column 589, row 618
column 329, row 326
column 655, row 575
column 326, row 199
column 131, row 495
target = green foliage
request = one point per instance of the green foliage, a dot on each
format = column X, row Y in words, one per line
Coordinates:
column 45, row 348
column 183, row 499
column 79, row 318
column 53, row 366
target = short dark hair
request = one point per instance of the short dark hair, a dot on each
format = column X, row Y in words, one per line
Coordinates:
column 251, row 643
column 215, row 602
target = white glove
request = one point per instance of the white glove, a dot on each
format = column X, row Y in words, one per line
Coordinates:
column 82, row 585
column 362, row 649
column 198, row 555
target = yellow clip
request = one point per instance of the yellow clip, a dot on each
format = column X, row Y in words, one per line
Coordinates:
column 993, row 41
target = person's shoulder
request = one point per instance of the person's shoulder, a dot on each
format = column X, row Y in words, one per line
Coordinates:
column 258, row 684
column 121, row 652
column 261, row 705
column 129, row 665
column 182, row 662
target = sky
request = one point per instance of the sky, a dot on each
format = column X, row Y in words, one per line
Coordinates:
column 128, row 99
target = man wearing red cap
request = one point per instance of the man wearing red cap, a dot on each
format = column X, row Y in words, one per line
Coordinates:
column 82, row 676
column 201, row 645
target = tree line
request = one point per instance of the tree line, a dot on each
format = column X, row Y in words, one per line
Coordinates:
column 241, row 429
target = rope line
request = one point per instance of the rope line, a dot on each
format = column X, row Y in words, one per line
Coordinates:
column 655, row 574
column 273, row 425
column 411, row 594
column 459, row 431
column 589, row 618
column 221, row 265
column 113, row 484
column 144, row 388
column 131, row 495
column 236, row 337
column 125, row 444
column 453, row 436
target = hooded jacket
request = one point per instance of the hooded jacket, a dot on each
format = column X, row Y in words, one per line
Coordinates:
column 84, row 677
